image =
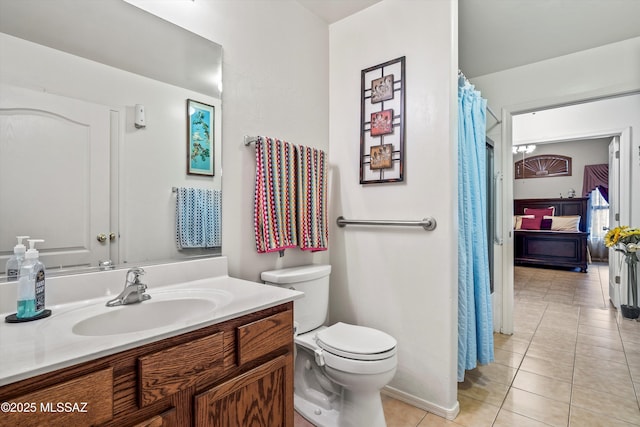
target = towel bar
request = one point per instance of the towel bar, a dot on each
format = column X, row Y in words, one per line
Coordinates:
column 428, row 223
column 248, row 140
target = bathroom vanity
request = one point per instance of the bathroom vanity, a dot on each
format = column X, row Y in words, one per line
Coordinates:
column 230, row 366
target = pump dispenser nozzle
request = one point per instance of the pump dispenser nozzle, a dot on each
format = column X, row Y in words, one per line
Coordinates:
column 33, row 252
column 19, row 248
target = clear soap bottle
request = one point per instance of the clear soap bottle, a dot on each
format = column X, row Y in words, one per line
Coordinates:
column 16, row 260
column 31, row 284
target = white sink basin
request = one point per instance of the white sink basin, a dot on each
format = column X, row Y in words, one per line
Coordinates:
column 163, row 309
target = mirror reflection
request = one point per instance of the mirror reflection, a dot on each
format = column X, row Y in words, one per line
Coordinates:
column 81, row 166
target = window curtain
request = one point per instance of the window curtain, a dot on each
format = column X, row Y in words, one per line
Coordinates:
column 596, row 176
column 599, row 221
column 475, row 318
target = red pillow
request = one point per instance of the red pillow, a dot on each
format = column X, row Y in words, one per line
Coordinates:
column 539, row 212
column 531, row 223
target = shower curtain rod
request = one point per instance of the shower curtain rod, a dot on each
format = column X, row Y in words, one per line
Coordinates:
column 466, row 80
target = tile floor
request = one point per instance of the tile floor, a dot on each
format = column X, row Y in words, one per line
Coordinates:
column 572, row 361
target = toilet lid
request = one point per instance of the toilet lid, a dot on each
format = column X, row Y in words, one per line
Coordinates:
column 356, row 342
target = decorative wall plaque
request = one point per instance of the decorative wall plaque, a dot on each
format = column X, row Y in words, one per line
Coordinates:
column 543, row 166
column 382, row 123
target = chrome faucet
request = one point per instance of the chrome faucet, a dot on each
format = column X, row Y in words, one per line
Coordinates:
column 134, row 290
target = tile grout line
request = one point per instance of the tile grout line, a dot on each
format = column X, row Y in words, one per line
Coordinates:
column 573, row 370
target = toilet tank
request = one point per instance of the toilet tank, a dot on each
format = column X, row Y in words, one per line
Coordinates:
column 309, row 311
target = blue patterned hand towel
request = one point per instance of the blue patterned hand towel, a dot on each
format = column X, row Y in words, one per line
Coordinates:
column 197, row 218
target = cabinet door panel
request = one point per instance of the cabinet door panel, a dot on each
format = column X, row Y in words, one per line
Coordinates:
column 264, row 336
column 86, row 400
column 177, row 368
column 259, row 397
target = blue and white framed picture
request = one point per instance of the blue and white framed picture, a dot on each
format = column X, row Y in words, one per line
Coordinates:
column 200, row 141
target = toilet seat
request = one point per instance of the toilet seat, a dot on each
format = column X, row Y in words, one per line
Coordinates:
column 342, row 347
column 356, row 342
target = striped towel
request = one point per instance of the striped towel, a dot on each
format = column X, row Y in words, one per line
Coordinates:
column 275, row 196
column 198, row 218
column 313, row 232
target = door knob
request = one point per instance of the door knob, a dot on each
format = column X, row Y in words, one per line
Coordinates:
column 101, row 237
column 112, row 236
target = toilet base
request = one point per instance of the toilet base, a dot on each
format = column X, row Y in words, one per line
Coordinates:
column 320, row 417
column 354, row 412
column 361, row 409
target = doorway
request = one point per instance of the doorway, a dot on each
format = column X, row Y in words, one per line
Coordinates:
column 604, row 117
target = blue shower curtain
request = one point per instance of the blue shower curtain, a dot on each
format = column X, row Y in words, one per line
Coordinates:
column 475, row 318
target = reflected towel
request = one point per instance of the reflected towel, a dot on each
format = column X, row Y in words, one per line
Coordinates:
column 198, row 218
column 275, row 196
column 312, row 199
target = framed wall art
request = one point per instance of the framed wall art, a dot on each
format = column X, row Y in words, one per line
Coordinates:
column 382, row 123
column 200, row 143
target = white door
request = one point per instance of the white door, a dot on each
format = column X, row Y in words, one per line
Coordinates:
column 62, row 145
column 615, row 289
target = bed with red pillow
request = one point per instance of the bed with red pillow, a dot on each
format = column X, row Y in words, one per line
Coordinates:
column 551, row 232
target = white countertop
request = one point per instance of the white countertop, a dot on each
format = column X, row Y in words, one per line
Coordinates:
column 33, row 348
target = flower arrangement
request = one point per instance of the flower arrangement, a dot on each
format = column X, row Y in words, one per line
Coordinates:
column 627, row 240
column 623, row 239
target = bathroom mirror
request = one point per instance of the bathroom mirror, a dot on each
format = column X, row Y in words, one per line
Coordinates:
column 86, row 66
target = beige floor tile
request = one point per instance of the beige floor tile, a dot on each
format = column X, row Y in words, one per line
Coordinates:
column 537, row 407
column 601, row 365
column 598, row 314
column 558, row 343
column 631, row 347
column 507, row 358
column 474, row 413
column 606, row 403
column 432, row 420
column 543, row 386
column 490, row 392
column 547, row 368
column 568, row 328
column 400, row 414
column 494, row 372
column 613, row 344
column 510, row 419
column 581, row 417
column 614, row 383
column 598, row 323
column 562, row 298
column 542, row 351
column 630, row 335
column 587, row 350
column 598, row 332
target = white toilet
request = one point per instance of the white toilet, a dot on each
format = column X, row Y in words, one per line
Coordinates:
column 340, row 369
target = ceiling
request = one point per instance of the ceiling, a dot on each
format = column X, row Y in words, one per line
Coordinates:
column 496, row 35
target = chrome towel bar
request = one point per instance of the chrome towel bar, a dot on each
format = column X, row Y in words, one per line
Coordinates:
column 428, row 223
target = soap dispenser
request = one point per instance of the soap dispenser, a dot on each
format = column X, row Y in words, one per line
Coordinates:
column 31, row 285
column 16, row 260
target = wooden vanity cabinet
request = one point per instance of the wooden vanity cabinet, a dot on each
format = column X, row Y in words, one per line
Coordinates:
column 236, row 373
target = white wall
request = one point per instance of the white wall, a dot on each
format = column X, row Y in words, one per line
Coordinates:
column 275, row 76
column 152, row 159
column 402, row 281
column 582, row 153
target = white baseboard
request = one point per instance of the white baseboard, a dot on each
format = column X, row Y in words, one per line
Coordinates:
column 448, row 413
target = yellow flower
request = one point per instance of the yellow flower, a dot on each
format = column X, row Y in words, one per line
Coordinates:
column 623, row 235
